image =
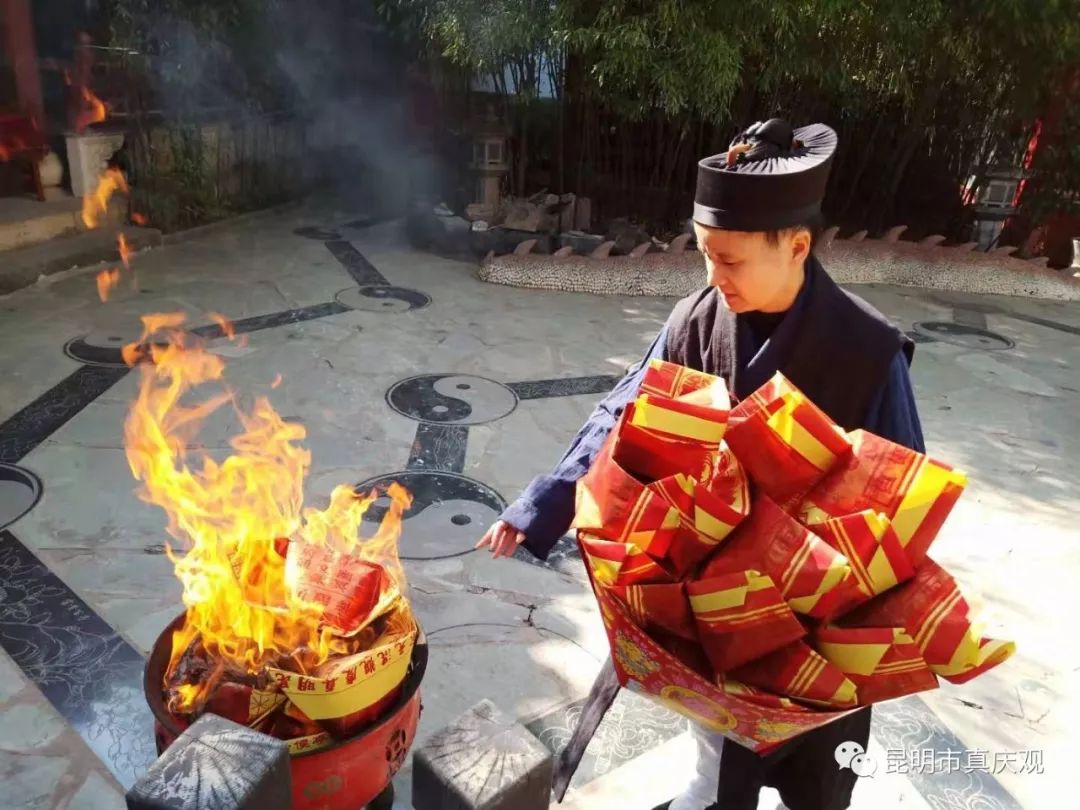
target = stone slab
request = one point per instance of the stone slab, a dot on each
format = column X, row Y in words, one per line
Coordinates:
column 217, row 764
column 482, row 761
column 23, row 266
column 26, row 222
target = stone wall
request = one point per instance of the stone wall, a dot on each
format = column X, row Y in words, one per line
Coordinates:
column 678, row 271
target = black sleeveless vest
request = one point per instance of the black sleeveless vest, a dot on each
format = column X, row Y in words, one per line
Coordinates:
column 840, row 358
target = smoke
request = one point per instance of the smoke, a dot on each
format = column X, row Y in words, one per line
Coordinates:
column 329, row 65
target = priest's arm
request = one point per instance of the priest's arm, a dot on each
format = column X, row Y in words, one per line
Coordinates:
column 544, row 511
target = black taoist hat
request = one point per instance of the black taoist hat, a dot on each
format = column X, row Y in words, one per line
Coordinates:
column 771, row 177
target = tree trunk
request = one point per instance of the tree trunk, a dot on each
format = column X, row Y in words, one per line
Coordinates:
column 523, row 152
column 866, row 150
column 912, row 137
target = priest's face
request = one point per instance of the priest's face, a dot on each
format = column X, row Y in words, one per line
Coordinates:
column 751, row 272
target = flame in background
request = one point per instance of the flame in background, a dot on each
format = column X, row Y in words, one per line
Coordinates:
column 96, row 204
column 124, row 248
column 106, row 280
column 227, row 515
column 93, row 110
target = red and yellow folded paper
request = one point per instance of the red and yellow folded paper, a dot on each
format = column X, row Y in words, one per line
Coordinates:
column 764, row 572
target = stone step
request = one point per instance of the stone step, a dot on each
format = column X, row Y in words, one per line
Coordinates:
column 23, row 266
column 25, row 221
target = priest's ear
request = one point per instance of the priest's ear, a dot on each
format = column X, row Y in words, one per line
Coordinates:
column 801, row 244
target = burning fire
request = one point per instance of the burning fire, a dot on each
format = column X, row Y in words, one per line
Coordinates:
column 229, row 516
column 96, row 205
column 106, row 280
column 124, row 248
column 137, row 218
column 93, row 110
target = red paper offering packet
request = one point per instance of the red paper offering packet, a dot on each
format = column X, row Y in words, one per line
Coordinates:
column 677, row 521
column 740, row 617
column 661, row 608
column 353, row 592
column 798, row 671
column 785, row 442
column 915, row 492
column 883, row 662
column 936, row 616
column 760, row 697
column 804, row 566
column 672, row 380
column 876, row 558
column 613, row 563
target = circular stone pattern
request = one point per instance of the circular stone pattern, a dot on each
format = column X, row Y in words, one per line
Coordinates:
column 20, row 490
column 451, row 399
column 382, row 298
column 970, row 337
column 101, row 348
column 449, row 512
column 315, row 232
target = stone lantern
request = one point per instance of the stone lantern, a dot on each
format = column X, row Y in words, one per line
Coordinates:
column 489, row 164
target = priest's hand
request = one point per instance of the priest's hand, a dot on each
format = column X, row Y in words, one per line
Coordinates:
column 502, row 538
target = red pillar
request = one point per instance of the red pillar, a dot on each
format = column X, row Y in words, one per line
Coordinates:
column 22, row 51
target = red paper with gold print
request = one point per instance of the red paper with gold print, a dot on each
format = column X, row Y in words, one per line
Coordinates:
column 877, row 560
column 740, row 617
column 614, row 504
column 935, row 614
column 614, row 563
column 660, row 608
column 676, row 520
column 644, row 666
column 804, row 566
column 758, row 696
column 672, row 380
column 785, row 442
column 651, row 455
column 352, row 591
column 883, row 662
column 915, row 492
column 798, row 671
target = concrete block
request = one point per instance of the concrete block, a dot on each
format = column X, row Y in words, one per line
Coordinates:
column 217, row 765
column 584, row 243
column 88, row 154
column 482, row 761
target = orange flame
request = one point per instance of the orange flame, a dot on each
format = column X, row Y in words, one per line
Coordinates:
column 276, row 382
column 5, row 153
column 228, row 514
column 106, row 280
column 124, row 248
column 96, row 205
column 226, row 325
column 93, row 111
column 137, row 218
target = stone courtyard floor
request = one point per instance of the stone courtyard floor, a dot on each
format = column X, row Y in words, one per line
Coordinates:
column 404, row 365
